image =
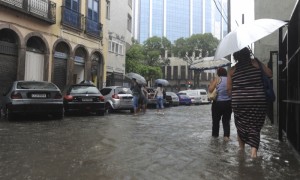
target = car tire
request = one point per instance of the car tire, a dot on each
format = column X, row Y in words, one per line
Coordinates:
column 9, row 115
column 108, row 108
column 100, row 113
column 59, row 115
column 131, row 110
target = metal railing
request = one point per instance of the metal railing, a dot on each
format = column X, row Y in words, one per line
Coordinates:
column 42, row 9
column 72, row 19
column 93, row 28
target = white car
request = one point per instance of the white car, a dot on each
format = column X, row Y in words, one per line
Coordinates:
column 196, row 99
column 117, row 98
column 203, row 95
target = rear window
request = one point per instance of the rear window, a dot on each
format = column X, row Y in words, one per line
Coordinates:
column 123, row 90
column 36, row 85
column 84, row 90
column 105, row 91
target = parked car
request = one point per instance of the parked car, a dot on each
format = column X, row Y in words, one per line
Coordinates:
column 184, row 99
column 117, row 98
column 203, row 95
column 196, row 99
column 32, row 97
column 83, row 98
column 174, row 98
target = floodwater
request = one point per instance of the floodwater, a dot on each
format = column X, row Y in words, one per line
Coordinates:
column 176, row 145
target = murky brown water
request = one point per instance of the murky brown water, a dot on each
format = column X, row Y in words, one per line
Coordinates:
column 177, row 145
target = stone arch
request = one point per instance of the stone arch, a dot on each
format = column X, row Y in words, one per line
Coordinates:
column 97, row 68
column 61, row 63
column 36, row 57
column 81, row 64
column 9, row 57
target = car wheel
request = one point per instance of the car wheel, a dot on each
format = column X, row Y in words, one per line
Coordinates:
column 100, row 113
column 108, row 108
column 59, row 115
column 9, row 115
column 131, row 110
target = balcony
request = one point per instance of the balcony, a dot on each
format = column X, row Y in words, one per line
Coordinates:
column 72, row 19
column 42, row 9
column 93, row 28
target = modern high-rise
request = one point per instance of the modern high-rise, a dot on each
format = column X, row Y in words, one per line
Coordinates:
column 180, row 18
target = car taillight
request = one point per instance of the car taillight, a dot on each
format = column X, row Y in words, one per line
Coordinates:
column 115, row 96
column 101, row 98
column 68, row 97
column 58, row 96
column 16, row 95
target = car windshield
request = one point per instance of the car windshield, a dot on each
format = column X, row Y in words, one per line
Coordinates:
column 123, row 90
column 35, row 85
column 183, row 96
column 84, row 90
column 192, row 93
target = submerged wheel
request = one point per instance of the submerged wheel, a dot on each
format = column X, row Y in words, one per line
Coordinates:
column 108, row 108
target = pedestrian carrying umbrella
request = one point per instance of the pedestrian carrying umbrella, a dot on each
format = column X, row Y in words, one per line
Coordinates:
column 163, row 82
column 207, row 63
column 246, row 34
column 139, row 78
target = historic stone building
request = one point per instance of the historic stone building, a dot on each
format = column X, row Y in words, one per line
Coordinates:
column 59, row 41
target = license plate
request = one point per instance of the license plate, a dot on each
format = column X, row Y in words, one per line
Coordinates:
column 38, row 95
column 87, row 99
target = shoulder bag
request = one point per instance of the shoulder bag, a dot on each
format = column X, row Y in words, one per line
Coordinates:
column 268, row 87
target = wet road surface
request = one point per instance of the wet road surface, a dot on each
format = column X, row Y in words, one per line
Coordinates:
column 176, row 145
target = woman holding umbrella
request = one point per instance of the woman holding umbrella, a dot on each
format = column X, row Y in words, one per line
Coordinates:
column 159, row 94
column 248, row 99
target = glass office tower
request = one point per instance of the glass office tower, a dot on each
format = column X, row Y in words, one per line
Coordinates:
column 179, row 18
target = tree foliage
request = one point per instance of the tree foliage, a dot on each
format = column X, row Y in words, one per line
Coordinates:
column 148, row 58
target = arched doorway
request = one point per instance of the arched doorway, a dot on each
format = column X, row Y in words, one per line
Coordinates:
column 79, row 65
column 8, row 58
column 60, row 64
column 96, row 69
column 34, row 62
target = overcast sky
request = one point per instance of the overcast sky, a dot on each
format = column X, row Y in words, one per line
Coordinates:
column 239, row 7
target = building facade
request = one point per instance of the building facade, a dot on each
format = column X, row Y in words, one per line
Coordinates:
column 180, row 18
column 119, row 24
column 176, row 19
column 57, row 41
column 281, row 51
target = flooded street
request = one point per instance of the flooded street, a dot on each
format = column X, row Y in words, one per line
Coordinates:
column 176, row 145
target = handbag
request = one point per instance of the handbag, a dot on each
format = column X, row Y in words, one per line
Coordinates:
column 213, row 95
column 268, row 87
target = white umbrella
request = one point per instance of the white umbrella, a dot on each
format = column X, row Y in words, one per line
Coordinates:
column 207, row 63
column 139, row 79
column 163, row 82
column 246, row 34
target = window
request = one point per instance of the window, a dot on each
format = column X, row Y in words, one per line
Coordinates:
column 107, row 9
column 116, row 46
column 72, row 4
column 183, row 72
column 169, row 68
column 175, row 72
column 93, row 10
column 129, row 23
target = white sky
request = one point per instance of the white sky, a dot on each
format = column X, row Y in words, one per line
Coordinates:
column 239, row 7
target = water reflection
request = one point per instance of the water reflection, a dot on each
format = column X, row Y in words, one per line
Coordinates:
column 177, row 145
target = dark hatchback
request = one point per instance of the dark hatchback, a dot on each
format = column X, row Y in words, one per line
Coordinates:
column 32, row 97
column 83, row 98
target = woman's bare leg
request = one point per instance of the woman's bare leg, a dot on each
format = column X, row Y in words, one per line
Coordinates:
column 241, row 143
column 253, row 152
